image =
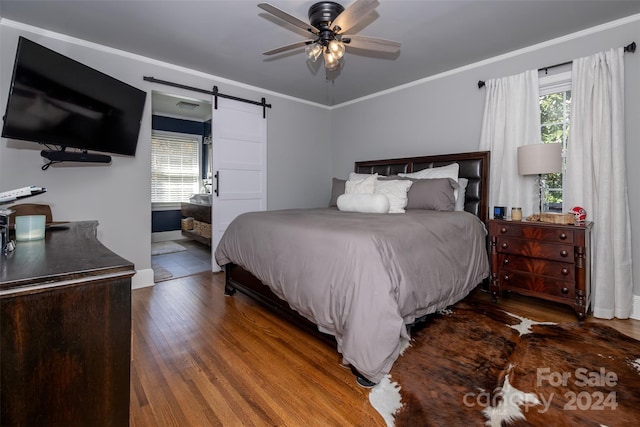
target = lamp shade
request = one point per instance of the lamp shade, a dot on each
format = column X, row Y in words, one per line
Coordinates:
column 538, row 159
column 331, row 62
column 313, row 51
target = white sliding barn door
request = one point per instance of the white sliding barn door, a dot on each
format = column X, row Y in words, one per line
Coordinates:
column 239, row 141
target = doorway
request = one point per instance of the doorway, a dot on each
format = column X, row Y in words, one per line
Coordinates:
column 181, row 180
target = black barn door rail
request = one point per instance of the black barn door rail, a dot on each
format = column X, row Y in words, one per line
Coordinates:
column 213, row 92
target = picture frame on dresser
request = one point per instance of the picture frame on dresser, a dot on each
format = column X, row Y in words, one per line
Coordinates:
column 542, row 260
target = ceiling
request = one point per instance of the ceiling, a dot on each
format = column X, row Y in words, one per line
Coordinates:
column 227, row 38
column 165, row 104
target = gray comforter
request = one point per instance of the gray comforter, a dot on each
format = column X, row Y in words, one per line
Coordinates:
column 361, row 277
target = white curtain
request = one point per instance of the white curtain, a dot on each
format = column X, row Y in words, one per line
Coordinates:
column 511, row 118
column 596, row 178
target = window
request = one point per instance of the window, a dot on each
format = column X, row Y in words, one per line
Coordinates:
column 555, row 114
column 174, row 167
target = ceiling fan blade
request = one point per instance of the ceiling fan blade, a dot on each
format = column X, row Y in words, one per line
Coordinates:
column 287, row 47
column 354, row 13
column 288, row 18
column 372, row 43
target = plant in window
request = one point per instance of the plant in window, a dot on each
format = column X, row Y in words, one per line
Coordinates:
column 555, row 113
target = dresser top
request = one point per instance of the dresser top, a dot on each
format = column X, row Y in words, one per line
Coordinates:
column 583, row 225
column 68, row 253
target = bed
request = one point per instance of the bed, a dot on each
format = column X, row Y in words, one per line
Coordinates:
column 359, row 280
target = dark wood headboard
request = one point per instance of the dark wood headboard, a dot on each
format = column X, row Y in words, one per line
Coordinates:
column 473, row 166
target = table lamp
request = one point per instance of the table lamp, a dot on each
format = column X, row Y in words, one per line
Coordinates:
column 539, row 159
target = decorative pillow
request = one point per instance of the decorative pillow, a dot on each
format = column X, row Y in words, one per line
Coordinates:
column 396, row 192
column 337, row 189
column 361, row 186
column 432, row 194
column 354, row 176
column 449, row 171
column 368, row 203
column 462, row 192
column 429, row 194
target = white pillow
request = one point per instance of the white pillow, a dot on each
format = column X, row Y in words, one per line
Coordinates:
column 462, row 190
column 396, row 192
column 368, row 203
column 354, row 176
column 449, row 171
column 361, row 186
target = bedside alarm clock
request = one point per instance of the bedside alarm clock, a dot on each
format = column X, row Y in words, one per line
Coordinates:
column 579, row 213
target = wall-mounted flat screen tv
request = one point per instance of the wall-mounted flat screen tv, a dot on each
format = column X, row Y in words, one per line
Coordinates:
column 57, row 101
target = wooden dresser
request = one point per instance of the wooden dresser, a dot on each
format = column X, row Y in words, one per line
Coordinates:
column 65, row 317
column 549, row 261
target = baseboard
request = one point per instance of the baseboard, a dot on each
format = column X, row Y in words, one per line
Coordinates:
column 635, row 308
column 164, row 236
column 142, row 279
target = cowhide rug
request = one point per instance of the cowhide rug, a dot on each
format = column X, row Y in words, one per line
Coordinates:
column 475, row 365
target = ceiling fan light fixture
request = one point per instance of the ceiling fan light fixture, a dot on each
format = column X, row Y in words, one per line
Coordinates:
column 313, row 51
column 336, row 48
column 329, row 23
column 331, row 62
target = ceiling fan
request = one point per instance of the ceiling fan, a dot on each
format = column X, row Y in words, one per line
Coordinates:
column 328, row 22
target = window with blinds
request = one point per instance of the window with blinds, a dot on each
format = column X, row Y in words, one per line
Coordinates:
column 174, row 168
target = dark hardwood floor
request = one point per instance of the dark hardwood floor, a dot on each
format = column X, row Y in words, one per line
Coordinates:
column 201, row 359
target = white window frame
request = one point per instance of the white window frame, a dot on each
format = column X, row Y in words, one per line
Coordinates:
column 560, row 82
column 159, row 206
column 554, row 83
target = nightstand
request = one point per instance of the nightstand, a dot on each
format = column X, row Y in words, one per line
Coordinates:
column 543, row 260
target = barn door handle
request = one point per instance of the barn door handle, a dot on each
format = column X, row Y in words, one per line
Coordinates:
column 217, row 177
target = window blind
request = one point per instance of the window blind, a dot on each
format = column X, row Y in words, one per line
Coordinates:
column 174, row 168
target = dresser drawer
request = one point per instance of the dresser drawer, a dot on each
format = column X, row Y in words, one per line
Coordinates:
column 534, row 283
column 560, row 270
column 536, row 249
column 522, row 231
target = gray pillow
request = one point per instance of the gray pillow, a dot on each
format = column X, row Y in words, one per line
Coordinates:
column 435, row 194
column 337, row 189
column 432, row 194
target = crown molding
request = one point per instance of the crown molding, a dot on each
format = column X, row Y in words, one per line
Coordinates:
column 512, row 54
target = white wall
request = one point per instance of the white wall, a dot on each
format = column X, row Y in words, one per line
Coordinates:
column 118, row 195
column 444, row 114
column 298, row 156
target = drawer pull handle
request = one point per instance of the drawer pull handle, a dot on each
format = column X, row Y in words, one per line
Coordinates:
column 563, row 236
column 564, row 271
column 505, row 245
column 564, row 290
column 564, row 254
column 503, row 230
column 506, row 277
column 506, row 261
